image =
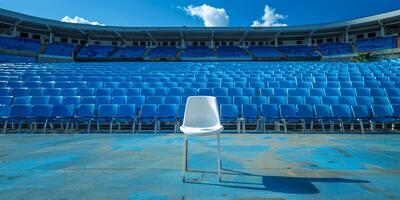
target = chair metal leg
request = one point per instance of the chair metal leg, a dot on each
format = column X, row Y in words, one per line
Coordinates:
column 89, row 125
column 238, row 125
column 303, row 124
column 19, row 126
column 285, row 126
column 5, row 126
column 45, row 126
column 111, row 126
column 133, row 125
column 219, row 158
column 244, row 126
column 185, row 156
column 362, row 126
column 322, row 126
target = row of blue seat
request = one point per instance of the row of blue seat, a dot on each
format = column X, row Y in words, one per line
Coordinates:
column 178, row 91
column 199, row 84
column 171, row 113
column 238, row 100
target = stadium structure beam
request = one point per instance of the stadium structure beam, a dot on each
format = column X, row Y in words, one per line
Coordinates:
column 309, row 39
column 150, row 36
column 346, row 34
column 382, row 28
column 212, row 40
column 183, row 41
column 51, row 35
column 14, row 28
column 276, row 38
column 120, row 36
column 243, row 36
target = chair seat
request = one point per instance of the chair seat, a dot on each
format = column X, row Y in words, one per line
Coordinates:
column 196, row 131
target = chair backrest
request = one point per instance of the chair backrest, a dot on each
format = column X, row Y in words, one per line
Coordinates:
column 42, row 110
column 305, row 111
column 295, row 100
column 396, row 110
column 63, row 111
column 360, row 111
column 22, row 100
column 249, row 111
column 127, row 110
column 341, row 111
column 86, row 110
column 364, row 100
column 6, row 100
column 347, row 100
column 108, row 110
column 21, row 110
column 288, row 111
column 137, row 100
column 4, row 110
column 229, row 111
column 313, row 100
column 148, row 111
column 322, row 111
column 37, row 100
column 381, row 101
column 270, row 111
column 382, row 111
column 167, row 110
column 119, row 100
column 201, row 111
column 155, row 100
column 239, row 101
column 330, row 100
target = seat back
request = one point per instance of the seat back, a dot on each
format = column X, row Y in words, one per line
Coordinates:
column 201, row 111
column 341, row 111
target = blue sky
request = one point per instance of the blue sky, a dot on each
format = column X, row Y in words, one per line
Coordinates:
column 202, row 12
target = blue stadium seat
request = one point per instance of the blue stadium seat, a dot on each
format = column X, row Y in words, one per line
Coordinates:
column 224, row 100
column 103, row 92
column 295, row 100
column 63, row 114
column 250, row 115
column 52, row 91
column 270, row 114
column 172, row 100
column 22, row 100
column 235, row 92
column 381, row 114
column 40, row 115
column 330, row 100
column 277, row 100
column 19, row 114
column 380, row 101
column 36, row 91
column 119, row 100
column 72, row 100
column 175, row 91
column 103, row 100
column 288, row 114
column 239, row 101
column 220, row 91
column 148, row 115
column 347, row 100
column 127, row 114
column 229, row 114
column 85, row 114
column 40, row 100
column 361, row 113
column 167, row 113
column 148, row 91
column 133, row 92
column 118, row 92
column 56, row 100
column 323, row 113
column 107, row 114
column 249, row 92
column 6, row 100
column 86, row 92
column 342, row 113
column 259, row 100
column 306, row 114
column 137, row 100
column 155, row 100
column 88, row 100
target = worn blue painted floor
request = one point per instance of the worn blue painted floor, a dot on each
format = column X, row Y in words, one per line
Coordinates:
column 150, row 167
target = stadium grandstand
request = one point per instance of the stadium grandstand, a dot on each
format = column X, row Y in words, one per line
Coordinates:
column 303, row 113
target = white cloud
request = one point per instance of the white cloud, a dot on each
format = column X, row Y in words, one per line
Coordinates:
column 80, row 20
column 211, row 16
column 270, row 18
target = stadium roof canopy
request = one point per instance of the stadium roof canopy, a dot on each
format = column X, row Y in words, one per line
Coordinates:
column 10, row 20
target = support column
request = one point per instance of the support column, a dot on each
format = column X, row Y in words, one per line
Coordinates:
column 14, row 31
column 51, row 38
column 276, row 41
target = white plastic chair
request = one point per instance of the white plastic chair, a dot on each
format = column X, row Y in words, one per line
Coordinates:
column 201, row 119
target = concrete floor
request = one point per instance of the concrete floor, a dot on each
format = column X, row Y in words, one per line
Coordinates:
column 147, row 166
